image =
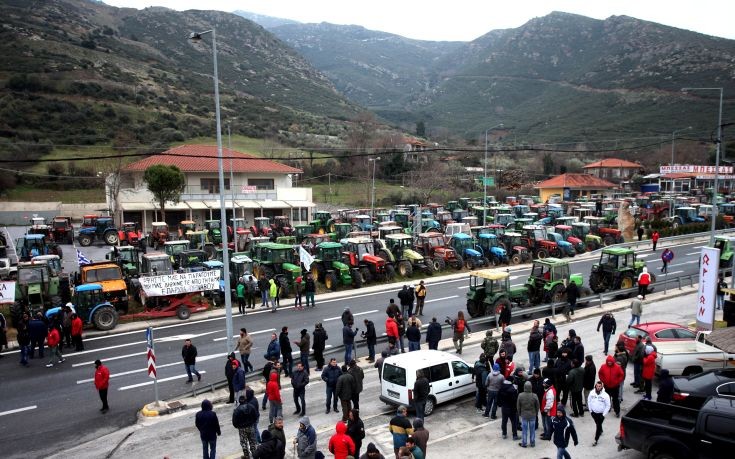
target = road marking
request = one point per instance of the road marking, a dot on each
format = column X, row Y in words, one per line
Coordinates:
column 644, row 255
column 442, row 299
column 140, row 370
column 673, row 272
column 148, row 383
column 298, row 353
column 463, row 287
column 184, row 336
column 270, row 330
column 693, row 253
column 18, row 410
column 356, row 314
column 684, row 263
column 110, row 358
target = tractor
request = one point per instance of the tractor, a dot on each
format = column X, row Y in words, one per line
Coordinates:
column 323, row 222
column 110, row 277
column 359, row 253
column 104, row 229
column 517, row 252
column 173, row 249
column 608, row 235
column 618, row 269
column 261, row 226
column 130, row 234
column 199, row 240
column 62, row 230
column 398, row 248
column 213, row 227
column 127, row 258
column 92, row 307
column 725, row 244
column 186, row 226
column 492, row 250
column 36, row 288
column 328, row 268
column 241, row 266
column 444, row 218
column 403, row 219
column 521, row 222
column 548, row 280
column 89, row 221
column 282, row 226
column 276, row 261
column 520, row 209
column 459, row 214
column 490, row 290
column 341, row 231
column 301, row 231
column 239, row 235
column 685, row 216
column 535, row 238
column 312, row 240
column 581, row 230
column 159, row 235
column 362, row 223
column 156, row 264
column 433, row 246
column 429, row 224
column 565, row 231
column 553, row 213
column 507, row 220
column 33, row 245
column 456, row 228
column 464, row 245
column 566, row 247
column 191, row 261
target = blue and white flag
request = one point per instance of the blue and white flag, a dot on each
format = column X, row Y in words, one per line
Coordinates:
column 305, row 257
column 82, row 260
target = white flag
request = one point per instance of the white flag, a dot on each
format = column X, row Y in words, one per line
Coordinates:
column 306, row 258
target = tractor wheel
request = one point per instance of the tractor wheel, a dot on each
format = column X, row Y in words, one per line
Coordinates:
column 626, row 282
column 469, row 263
column 385, row 255
column 596, row 283
column 486, row 262
column 473, row 310
column 70, row 237
column 497, row 307
column 330, row 281
column 556, row 252
column 356, row 278
column 183, row 313
column 85, row 240
column 317, row 271
column 405, row 269
column 111, row 238
column 365, row 276
column 591, row 246
column 457, row 263
column 283, row 287
column 556, row 295
column 105, row 318
column 609, row 240
column 321, row 231
column 493, row 261
column 210, row 251
column 541, row 254
column 267, row 271
column 428, row 267
column 390, row 272
column 516, row 259
column 438, row 263
column 16, row 312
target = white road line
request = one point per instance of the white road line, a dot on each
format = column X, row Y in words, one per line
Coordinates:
column 298, row 353
column 671, row 272
column 463, row 287
column 140, row 370
column 110, row 358
column 693, row 253
column 684, row 263
column 148, row 383
column 442, row 299
column 356, row 314
column 644, row 255
column 18, row 410
column 270, row 330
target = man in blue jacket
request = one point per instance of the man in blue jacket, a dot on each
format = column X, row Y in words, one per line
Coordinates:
column 561, row 429
column 208, row 424
column 330, row 374
column 348, row 339
column 274, row 348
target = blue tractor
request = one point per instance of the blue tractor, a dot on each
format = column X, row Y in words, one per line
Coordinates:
column 567, row 248
column 92, row 307
column 492, row 249
column 465, row 246
column 362, row 223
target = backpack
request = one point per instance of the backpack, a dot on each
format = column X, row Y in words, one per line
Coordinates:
column 459, row 326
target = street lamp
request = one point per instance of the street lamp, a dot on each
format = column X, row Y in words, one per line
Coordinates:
column 196, row 37
column 717, row 162
column 484, row 177
column 372, row 199
column 673, row 138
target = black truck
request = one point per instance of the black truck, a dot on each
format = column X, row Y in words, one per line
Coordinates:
column 664, row 431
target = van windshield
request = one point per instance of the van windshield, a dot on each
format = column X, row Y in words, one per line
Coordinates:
column 394, row 374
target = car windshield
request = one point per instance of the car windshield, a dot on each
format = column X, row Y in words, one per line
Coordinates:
column 103, row 274
column 394, row 374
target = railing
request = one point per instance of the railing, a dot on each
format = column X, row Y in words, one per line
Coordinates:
column 202, row 195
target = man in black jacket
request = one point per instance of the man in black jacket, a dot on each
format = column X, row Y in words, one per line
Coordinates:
column 348, row 339
column 421, row 391
column 320, row 342
column 434, row 334
column 229, row 374
column 189, row 354
column 330, row 375
column 609, row 325
column 299, row 381
column 413, row 335
column 371, row 338
column 244, row 419
column 286, row 351
column 572, row 295
column 406, row 296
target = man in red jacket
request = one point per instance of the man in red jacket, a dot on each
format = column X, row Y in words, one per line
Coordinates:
column 102, row 382
column 649, row 369
column 273, row 392
column 391, row 329
column 611, row 374
column 341, row 444
column 76, row 332
column 53, row 339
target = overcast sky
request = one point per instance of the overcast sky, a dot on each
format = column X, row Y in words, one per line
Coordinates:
column 466, row 20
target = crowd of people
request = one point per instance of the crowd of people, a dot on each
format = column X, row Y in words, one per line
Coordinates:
column 62, row 330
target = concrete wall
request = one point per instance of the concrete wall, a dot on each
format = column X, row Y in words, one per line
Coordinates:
column 14, row 213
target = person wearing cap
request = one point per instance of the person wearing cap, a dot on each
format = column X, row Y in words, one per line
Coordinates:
column 421, row 435
column 561, row 429
column 270, row 447
column 548, row 408
column 636, row 309
column 372, row 452
column 649, row 370
column 493, row 383
column 208, row 425
column 420, row 298
column 102, row 383
column 644, row 280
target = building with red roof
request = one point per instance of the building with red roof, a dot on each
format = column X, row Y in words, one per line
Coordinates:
column 254, row 187
column 573, row 186
column 613, row 169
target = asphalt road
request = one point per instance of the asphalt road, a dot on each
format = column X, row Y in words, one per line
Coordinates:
column 68, row 391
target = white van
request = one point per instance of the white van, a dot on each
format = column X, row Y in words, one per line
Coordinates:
column 449, row 377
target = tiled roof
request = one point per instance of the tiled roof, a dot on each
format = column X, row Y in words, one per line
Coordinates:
column 577, row 181
column 613, row 163
column 203, row 158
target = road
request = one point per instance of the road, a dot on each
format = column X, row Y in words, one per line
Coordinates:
column 67, row 389
column 454, row 426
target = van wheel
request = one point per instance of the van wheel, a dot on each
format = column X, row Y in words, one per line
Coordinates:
column 429, row 408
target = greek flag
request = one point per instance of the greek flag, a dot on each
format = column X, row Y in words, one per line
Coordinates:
column 81, row 259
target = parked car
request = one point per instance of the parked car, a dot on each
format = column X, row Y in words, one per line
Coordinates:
column 692, row 391
column 686, row 357
column 658, row 331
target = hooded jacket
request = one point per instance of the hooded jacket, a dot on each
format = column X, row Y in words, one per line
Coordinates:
column 433, row 332
column 348, row 335
column 284, row 344
column 611, row 374
column 272, row 390
column 76, row 326
column 305, row 440
column 207, row 423
column 53, row 337
column 320, row 338
column 245, row 415
column 274, row 350
column 270, row 448
column 608, row 324
column 649, row 366
column 391, row 328
column 370, row 335
column 494, row 380
column 665, row 387
column 238, row 379
column 341, row 445
column 562, row 428
column 272, row 288
column 359, row 375
column 528, row 405
column 508, row 396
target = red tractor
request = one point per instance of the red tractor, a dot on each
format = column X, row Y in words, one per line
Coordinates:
column 608, row 234
column 261, row 226
column 433, row 247
column 130, row 234
column 62, row 229
column 238, row 235
column 359, row 253
column 535, row 239
column 89, row 221
column 281, row 226
column 159, row 235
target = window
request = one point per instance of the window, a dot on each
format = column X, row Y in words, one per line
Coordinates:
column 439, row 372
column 103, row 274
column 727, row 390
column 720, row 426
column 394, row 374
column 666, row 334
column 211, row 185
column 262, row 184
column 634, row 332
column 685, row 334
column 460, row 368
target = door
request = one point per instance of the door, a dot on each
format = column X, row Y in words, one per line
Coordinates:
column 462, row 379
column 441, row 384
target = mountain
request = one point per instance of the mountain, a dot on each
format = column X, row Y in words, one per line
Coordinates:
column 560, row 77
column 76, row 72
column 266, row 21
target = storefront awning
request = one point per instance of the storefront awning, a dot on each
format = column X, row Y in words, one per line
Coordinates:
column 301, row 204
column 247, row 204
column 136, row 206
column 274, row 204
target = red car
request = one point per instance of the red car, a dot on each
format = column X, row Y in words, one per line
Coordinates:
column 658, row 331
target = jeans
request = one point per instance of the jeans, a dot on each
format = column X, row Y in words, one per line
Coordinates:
column 371, row 351
column 246, row 365
column 309, row 299
column 492, row 401
column 55, row 351
column 528, row 431
column 274, row 303
column 192, row 369
column 331, row 397
column 24, row 352
column 287, row 363
column 562, row 453
column 300, row 395
column 348, row 353
column 547, row 424
column 637, row 369
column 634, row 318
column 511, row 415
column 209, row 449
column 480, row 397
column 606, row 339
column 720, row 301
column 264, row 298
column 599, row 418
column 414, row 346
column 420, row 407
column 37, row 343
column 305, row 361
column 275, row 410
column 399, row 341
column 534, row 361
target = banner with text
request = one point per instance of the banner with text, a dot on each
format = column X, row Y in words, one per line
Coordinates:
column 7, row 292
column 709, row 262
column 174, row 284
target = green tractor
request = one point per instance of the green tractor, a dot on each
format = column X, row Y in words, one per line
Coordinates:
column 725, row 244
column 323, row 222
column 301, row 231
column 173, row 249
column 277, row 261
column 341, row 231
column 489, row 290
column 548, row 280
column 199, row 240
column 214, row 230
column 127, row 257
column 328, row 268
column 398, row 249
column 583, row 231
column 618, row 269
column 37, row 288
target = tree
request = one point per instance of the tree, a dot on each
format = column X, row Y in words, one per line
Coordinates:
column 548, row 161
column 166, row 183
column 421, row 129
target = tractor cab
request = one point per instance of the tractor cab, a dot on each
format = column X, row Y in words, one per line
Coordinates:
column 686, row 215
column 311, row 241
column 402, row 219
column 458, row 214
column 456, row 228
column 492, row 249
column 497, row 229
column 382, row 217
column 127, row 258
column 131, row 234
column 238, row 225
column 451, row 205
column 478, row 230
column 464, row 245
column 341, row 230
column 159, row 234
column 301, row 231
column 261, row 226
column 567, row 249
column 444, row 217
column 470, row 221
column 507, row 220
column 532, row 216
column 490, row 291
column 156, row 264
column 618, row 268
column 520, row 209
column 583, row 231
column 40, row 227
column 31, row 245
column 192, row 261
column 282, row 225
column 323, row 222
column 89, row 221
column 214, row 230
column 566, row 233
column 385, row 230
column 173, row 249
column 185, row 226
column 91, row 305
column 464, row 203
column 521, row 222
column 362, row 222
column 241, row 266
column 199, row 240
column 53, row 261
column 548, row 280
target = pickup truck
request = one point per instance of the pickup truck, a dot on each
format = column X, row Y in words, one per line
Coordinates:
column 664, row 431
column 7, row 271
column 692, row 357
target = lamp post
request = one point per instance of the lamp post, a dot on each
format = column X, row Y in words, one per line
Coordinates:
column 717, row 162
column 673, row 139
column 484, row 177
column 372, row 198
column 196, row 36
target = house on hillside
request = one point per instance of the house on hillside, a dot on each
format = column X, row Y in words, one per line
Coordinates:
column 573, row 186
column 613, row 169
column 259, row 188
column 415, row 150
